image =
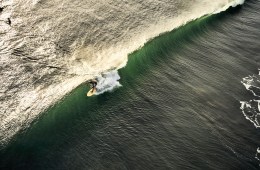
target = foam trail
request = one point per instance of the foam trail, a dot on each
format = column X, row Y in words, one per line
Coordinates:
column 252, row 83
column 257, row 155
column 251, row 109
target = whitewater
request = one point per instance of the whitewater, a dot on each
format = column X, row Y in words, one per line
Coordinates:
column 52, row 47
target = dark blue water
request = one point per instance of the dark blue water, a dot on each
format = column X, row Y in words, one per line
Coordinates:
column 178, row 107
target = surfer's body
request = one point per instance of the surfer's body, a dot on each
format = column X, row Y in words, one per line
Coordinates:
column 93, row 84
column 9, row 21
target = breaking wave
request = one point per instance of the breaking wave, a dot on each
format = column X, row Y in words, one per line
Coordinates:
column 54, row 46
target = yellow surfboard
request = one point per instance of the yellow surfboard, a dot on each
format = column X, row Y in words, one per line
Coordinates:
column 91, row 92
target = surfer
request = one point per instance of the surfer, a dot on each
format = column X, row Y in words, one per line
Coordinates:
column 93, row 84
column 9, row 21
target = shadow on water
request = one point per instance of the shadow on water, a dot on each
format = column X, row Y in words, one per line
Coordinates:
column 77, row 115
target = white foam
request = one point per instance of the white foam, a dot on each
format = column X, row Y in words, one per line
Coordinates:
column 108, row 82
column 251, row 81
column 232, row 3
column 257, row 154
column 248, row 82
column 255, row 113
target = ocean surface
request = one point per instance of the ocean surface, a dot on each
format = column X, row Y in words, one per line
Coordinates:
column 183, row 95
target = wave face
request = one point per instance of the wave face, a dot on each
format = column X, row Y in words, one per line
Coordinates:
column 51, row 47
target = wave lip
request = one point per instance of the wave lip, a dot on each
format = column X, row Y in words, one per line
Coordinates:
column 230, row 4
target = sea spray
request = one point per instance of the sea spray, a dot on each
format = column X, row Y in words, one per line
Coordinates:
column 108, row 82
